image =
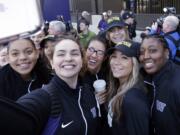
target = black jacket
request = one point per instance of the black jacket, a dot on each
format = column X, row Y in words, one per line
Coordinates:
column 166, row 100
column 79, row 113
column 12, row 85
column 135, row 118
column 89, row 79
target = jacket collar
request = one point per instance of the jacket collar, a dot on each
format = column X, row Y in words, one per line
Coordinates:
column 163, row 73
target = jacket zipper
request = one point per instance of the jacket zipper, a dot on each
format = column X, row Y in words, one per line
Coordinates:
column 30, row 85
column 154, row 96
column 82, row 113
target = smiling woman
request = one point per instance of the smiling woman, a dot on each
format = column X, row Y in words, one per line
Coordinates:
column 68, row 105
column 25, row 71
column 162, row 77
column 128, row 109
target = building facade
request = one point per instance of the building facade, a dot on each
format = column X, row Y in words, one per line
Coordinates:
column 138, row 6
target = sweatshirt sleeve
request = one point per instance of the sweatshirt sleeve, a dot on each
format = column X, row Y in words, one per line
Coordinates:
column 39, row 104
column 136, row 113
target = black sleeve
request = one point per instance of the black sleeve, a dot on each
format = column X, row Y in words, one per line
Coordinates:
column 39, row 104
column 136, row 112
column 15, row 119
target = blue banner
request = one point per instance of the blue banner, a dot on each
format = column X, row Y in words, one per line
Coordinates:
column 54, row 8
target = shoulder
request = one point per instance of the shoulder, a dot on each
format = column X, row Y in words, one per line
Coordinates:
column 5, row 70
column 91, row 33
column 7, row 75
column 136, row 99
column 36, row 99
column 174, row 73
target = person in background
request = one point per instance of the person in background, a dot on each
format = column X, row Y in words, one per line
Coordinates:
column 116, row 31
column 172, row 36
column 66, row 105
column 128, row 107
column 56, row 28
column 86, row 35
column 36, row 38
column 47, row 46
column 25, row 71
column 169, row 29
column 3, row 55
column 162, row 78
column 109, row 13
column 85, row 15
column 129, row 19
column 103, row 22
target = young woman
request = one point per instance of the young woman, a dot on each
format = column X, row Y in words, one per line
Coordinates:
column 162, row 77
column 97, row 68
column 116, row 31
column 128, row 111
column 25, row 71
column 47, row 48
column 96, row 62
column 66, row 105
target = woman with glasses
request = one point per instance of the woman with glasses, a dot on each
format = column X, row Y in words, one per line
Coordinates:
column 97, row 68
column 162, row 76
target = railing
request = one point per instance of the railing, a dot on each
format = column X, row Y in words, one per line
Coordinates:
column 156, row 6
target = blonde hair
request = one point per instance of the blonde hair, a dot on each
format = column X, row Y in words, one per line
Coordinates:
column 116, row 91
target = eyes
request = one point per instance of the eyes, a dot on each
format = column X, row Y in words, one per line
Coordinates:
column 16, row 53
column 92, row 50
column 64, row 53
column 149, row 51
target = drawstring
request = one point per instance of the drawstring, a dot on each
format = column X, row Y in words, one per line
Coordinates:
column 97, row 77
column 30, row 85
column 98, row 106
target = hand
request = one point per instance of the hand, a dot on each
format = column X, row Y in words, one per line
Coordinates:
column 154, row 26
column 101, row 97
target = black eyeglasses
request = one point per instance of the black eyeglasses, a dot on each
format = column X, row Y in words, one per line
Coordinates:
column 98, row 52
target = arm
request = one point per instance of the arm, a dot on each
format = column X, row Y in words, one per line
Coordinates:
column 38, row 103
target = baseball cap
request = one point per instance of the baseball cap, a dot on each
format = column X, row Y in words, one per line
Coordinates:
column 114, row 22
column 127, row 47
column 127, row 14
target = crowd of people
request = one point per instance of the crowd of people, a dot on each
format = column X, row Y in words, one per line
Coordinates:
column 47, row 80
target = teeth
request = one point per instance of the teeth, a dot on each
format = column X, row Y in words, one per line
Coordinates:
column 148, row 64
column 92, row 61
column 68, row 66
column 24, row 65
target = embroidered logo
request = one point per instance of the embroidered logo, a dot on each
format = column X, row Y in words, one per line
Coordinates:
column 160, row 106
column 67, row 124
column 93, row 111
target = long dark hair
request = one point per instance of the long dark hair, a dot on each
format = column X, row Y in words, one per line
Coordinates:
column 40, row 69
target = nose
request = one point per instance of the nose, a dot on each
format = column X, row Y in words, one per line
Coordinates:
column 94, row 54
column 146, row 55
column 22, row 56
column 117, row 61
column 68, row 57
